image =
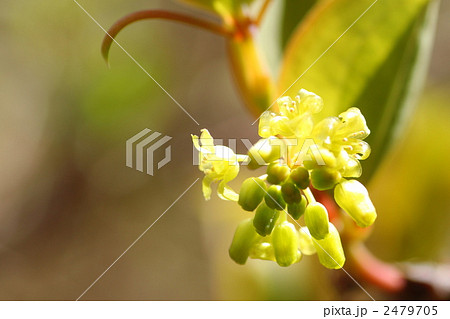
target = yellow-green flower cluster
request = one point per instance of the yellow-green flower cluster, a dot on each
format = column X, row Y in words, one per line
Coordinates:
column 219, row 163
column 298, row 153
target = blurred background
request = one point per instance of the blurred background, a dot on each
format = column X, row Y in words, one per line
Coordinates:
column 69, row 206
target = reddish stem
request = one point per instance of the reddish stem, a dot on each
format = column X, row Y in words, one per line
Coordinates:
column 375, row 271
column 158, row 14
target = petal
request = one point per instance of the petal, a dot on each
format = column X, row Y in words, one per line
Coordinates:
column 352, row 168
column 207, row 140
column 226, row 193
column 206, row 187
column 361, row 150
column 280, row 125
column 224, row 153
column 325, row 129
column 353, row 124
column 195, row 141
column 302, row 125
column 309, row 102
column 231, row 172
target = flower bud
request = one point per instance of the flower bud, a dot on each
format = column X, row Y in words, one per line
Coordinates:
column 329, row 250
column 316, row 218
column 285, row 244
column 265, row 219
column 306, row 243
column 353, row 197
column 264, row 151
column 300, row 176
column 274, row 198
column 326, row 158
column 277, row 173
column 324, row 178
column 263, row 250
column 291, row 194
column 251, row 193
column 244, row 238
column 264, row 129
column 296, row 210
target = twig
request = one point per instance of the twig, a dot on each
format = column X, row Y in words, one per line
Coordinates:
column 158, row 14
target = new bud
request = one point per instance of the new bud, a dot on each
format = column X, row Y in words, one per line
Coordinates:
column 262, row 250
column 296, row 210
column 291, row 194
column 285, row 244
column 264, row 151
column 277, row 173
column 316, row 219
column 244, row 238
column 300, row 176
column 306, row 243
column 265, row 219
column 251, row 193
column 353, row 197
column 329, row 250
column 274, row 198
column 325, row 178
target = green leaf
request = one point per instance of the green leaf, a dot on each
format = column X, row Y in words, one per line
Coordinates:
column 377, row 65
column 293, row 13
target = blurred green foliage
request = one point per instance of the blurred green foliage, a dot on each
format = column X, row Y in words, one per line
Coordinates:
column 374, row 54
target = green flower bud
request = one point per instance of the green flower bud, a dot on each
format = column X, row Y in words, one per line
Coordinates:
column 325, row 178
column 329, row 250
column 263, row 152
column 277, row 173
column 263, row 250
column 296, row 210
column 291, row 194
column 316, row 218
column 326, row 157
column 244, row 238
column 265, row 219
column 274, row 198
column 306, row 243
column 285, row 244
column 300, row 176
column 353, row 197
column 251, row 193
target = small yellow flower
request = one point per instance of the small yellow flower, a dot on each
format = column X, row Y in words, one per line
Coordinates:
column 299, row 153
column 294, row 118
column 219, row 163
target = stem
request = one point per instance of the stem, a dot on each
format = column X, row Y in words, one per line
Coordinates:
column 158, row 14
column 283, row 216
column 309, row 195
column 262, row 12
column 379, row 273
column 250, row 71
column 263, row 177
